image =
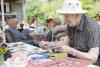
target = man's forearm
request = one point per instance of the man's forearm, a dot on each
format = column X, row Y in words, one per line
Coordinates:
column 83, row 55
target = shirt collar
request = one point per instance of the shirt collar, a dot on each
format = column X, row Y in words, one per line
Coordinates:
column 81, row 25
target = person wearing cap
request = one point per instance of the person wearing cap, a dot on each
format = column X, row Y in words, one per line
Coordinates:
column 82, row 31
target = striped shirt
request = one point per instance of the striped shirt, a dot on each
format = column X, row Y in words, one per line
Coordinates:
column 85, row 36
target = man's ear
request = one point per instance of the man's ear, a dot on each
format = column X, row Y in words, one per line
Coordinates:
column 77, row 15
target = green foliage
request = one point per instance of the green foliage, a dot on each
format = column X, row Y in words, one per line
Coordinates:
column 92, row 7
column 45, row 10
column 95, row 10
column 41, row 10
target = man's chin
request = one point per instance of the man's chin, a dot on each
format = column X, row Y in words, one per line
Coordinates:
column 71, row 25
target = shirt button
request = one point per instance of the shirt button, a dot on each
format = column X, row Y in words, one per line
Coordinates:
column 83, row 47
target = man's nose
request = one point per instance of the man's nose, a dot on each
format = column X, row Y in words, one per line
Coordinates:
column 66, row 19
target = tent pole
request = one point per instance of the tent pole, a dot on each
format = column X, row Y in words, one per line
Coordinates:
column 3, row 20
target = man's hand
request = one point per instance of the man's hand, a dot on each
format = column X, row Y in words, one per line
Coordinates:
column 65, row 49
column 31, row 34
column 43, row 44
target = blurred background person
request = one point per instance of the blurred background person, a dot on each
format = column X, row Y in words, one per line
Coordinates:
column 34, row 23
column 18, row 37
column 21, row 28
column 55, row 22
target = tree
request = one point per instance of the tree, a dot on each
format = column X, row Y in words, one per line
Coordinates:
column 89, row 5
column 41, row 10
column 45, row 10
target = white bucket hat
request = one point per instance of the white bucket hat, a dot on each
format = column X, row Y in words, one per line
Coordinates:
column 71, row 7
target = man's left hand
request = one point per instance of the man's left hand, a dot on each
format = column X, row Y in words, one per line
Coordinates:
column 65, row 49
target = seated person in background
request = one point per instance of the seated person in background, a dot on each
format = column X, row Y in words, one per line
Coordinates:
column 21, row 28
column 17, row 36
column 34, row 23
column 29, row 37
column 55, row 22
column 49, row 21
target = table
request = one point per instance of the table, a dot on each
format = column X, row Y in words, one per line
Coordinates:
column 18, row 46
column 6, row 64
column 22, row 47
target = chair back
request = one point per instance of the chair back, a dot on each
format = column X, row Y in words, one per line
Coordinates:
column 9, row 36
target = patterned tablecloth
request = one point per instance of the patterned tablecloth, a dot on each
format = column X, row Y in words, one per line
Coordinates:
column 22, row 49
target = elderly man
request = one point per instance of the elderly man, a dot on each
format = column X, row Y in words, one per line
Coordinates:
column 18, row 36
column 13, row 29
column 82, row 31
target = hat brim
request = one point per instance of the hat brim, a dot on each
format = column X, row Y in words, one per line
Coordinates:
column 62, row 11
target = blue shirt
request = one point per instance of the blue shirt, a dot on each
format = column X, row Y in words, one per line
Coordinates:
column 29, row 39
column 16, row 35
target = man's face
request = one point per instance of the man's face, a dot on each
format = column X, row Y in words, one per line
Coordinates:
column 71, row 19
column 15, row 23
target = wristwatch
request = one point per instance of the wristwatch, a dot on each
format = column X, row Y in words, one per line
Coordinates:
column 73, row 53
